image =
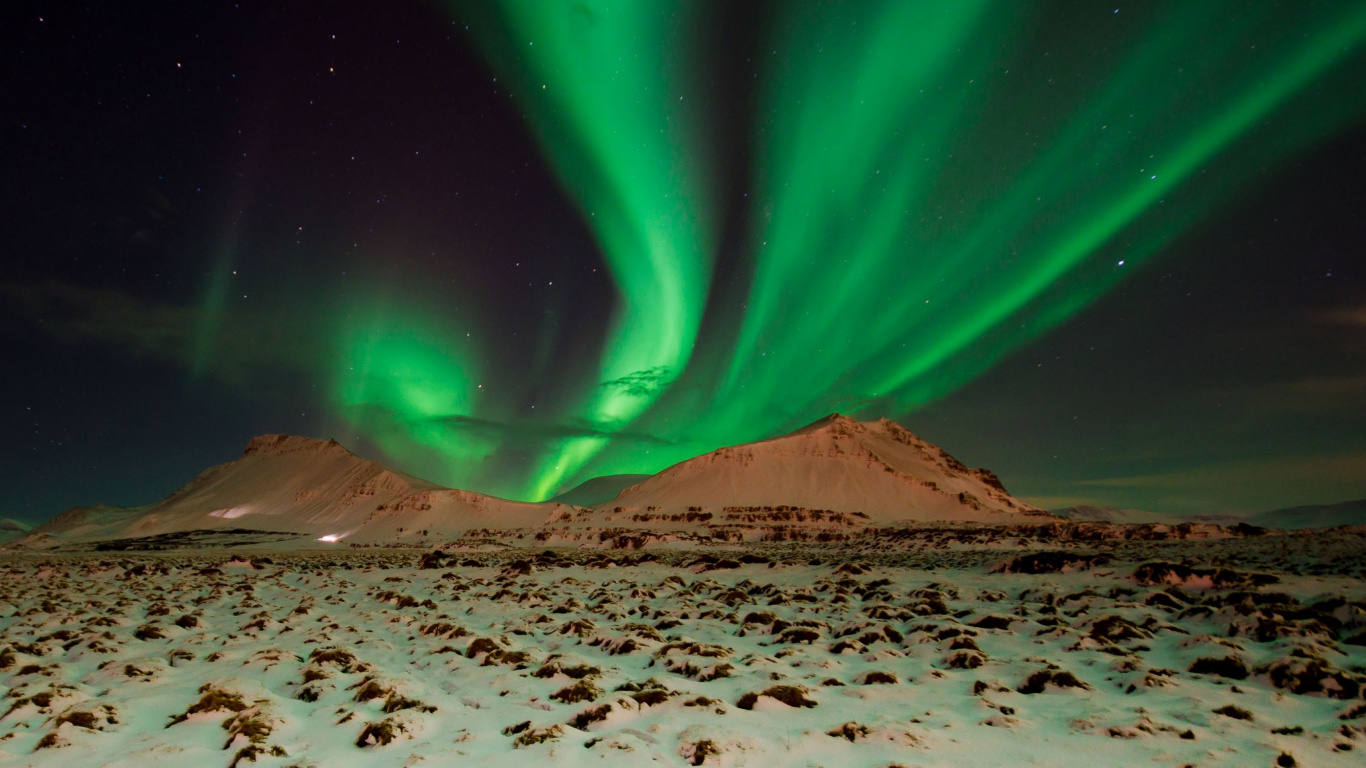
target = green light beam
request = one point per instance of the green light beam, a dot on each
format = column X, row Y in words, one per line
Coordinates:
column 597, row 80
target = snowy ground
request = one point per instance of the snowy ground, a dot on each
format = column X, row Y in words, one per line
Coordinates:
column 517, row 658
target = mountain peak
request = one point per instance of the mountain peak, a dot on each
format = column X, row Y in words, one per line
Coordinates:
column 836, row 420
column 875, row 468
column 275, row 444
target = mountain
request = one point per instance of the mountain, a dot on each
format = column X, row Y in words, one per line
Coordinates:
column 873, row 468
column 833, row 477
column 11, row 529
column 97, row 521
column 1313, row 516
column 597, row 490
column 1093, row 514
column 301, row 485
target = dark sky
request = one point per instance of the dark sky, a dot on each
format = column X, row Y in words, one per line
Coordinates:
column 1116, row 255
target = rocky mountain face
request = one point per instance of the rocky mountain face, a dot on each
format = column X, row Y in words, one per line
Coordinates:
column 829, row 479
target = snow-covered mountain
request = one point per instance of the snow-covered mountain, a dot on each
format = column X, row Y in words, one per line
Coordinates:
column 306, row 486
column 876, row 468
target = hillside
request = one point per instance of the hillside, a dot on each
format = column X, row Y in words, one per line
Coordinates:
column 826, row 481
column 876, row 468
column 597, row 490
column 11, row 529
column 1095, row 514
column 1313, row 516
column 299, row 485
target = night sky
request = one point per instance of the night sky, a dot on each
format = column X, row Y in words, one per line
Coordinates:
column 1116, row 253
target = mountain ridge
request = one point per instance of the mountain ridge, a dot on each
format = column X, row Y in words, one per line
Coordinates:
column 1351, row 512
column 835, row 474
column 315, row 490
column 835, row 463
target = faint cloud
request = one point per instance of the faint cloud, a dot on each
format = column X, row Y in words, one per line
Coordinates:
column 1269, row 403
column 1324, row 394
column 136, row 327
column 1249, row 485
column 71, row 314
column 1345, row 388
column 1354, row 316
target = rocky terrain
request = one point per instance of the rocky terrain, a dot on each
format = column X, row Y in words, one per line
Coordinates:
column 926, row 647
column 845, row 595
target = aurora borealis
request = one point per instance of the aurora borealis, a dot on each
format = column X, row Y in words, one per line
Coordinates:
column 512, row 246
column 627, row 151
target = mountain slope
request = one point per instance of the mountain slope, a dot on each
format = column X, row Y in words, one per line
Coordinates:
column 597, row 490
column 97, row 521
column 1313, row 516
column 11, row 529
column 830, row 478
column 301, row 485
column 876, row 468
column 1093, row 514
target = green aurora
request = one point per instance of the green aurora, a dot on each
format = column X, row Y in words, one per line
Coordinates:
column 934, row 185
column 603, row 100
column 402, row 378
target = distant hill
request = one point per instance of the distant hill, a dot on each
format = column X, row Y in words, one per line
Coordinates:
column 1094, row 514
column 598, row 489
column 1289, row 518
column 873, row 468
column 11, row 529
column 1313, row 516
column 95, row 521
